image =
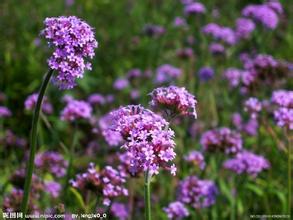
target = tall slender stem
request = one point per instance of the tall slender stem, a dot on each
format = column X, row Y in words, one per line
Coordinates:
column 147, row 195
column 33, row 140
column 289, row 171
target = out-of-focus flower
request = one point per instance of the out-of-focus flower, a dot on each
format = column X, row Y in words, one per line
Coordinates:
column 31, row 102
column 108, row 182
column 233, row 75
column 263, row 14
column 206, row 73
column 147, row 137
column 166, row 73
column 216, row 48
column 52, row 162
column 196, row 192
column 253, row 106
column 120, row 211
column 134, row 94
column 221, row 139
column 10, row 139
column 184, row 53
column 4, row 112
column 96, row 99
column 174, row 98
column 276, row 6
column 194, row 8
column 244, row 27
column 74, row 41
column 120, row 83
column 76, row 109
column 284, row 117
column 179, row 22
column 176, row 210
column 152, row 30
column 196, row 158
column 283, row 98
column 134, row 73
column 247, row 162
column 53, row 188
column 219, row 32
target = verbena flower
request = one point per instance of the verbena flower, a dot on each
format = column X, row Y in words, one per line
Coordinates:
column 194, row 8
column 184, row 53
column 108, row 182
column 120, row 210
column 147, row 138
column 206, row 73
column 216, row 48
column 53, row 188
column 196, row 192
column 247, row 162
column 179, row 22
column 221, row 139
column 12, row 140
column 76, row 109
column 4, row 112
column 120, row 83
column 244, row 28
column 96, row 99
column 283, row 98
column 153, row 30
column 219, row 32
column 196, row 158
column 134, row 73
column 176, row 99
column 176, row 210
column 253, row 106
column 167, row 73
column 51, row 162
column 31, row 102
column 74, row 42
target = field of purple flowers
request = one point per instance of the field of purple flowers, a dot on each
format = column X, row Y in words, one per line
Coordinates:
column 146, row 109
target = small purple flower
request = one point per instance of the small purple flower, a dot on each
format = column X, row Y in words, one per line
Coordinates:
column 134, row 94
column 276, row 6
column 247, row 162
column 196, row 192
column 216, row 48
column 283, row 98
column 174, row 97
column 74, row 41
column 206, row 73
column 194, row 8
column 219, row 32
column 147, row 137
column 284, row 117
column 52, row 162
column 76, row 109
column 179, row 22
column 96, row 99
column 152, row 30
column 167, row 73
column 176, row 210
column 244, row 27
column 4, row 112
column 53, row 188
column 196, row 158
column 253, row 106
column 134, row 73
column 120, row 211
column 31, row 102
column 120, row 84
column 234, row 76
column 221, row 139
column 185, row 53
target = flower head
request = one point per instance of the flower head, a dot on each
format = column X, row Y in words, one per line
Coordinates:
column 174, row 98
column 120, row 211
column 74, row 41
column 247, row 162
column 221, row 139
column 196, row 192
column 253, row 106
column 147, row 138
column 176, row 210
column 206, row 73
column 31, row 102
column 76, row 109
column 4, row 112
column 244, row 27
column 194, row 8
column 166, row 73
column 196, row 158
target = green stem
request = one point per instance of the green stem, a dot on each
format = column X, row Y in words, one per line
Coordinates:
column 289, row 171
column 147, row 195
column 33, row 140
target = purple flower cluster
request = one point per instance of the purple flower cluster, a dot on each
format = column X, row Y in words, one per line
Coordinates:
column 166, row 73
column 147, row 138
column 206, row 73
column 108, row 182
column 219, row 32
column 194, row 8
column 266, row 14
column 52, row 162
column 120, row 211
column 153, row 30
column 184, row 53
column 216, row 48
column 97, row 99
column 53, row 188
column 253, row 106
column 196, row 192
column 244, row 27
column 179, row 22
column 176, row 210
column 4, row 112
column 76, row 109
column 31, row 102
column 196, row 158
column 12, row 140
column 177, row 99
column 74, row 41
column 221, row 139
column 284, row 112
column 247, row 162
column 250, row 127
column 121, row 83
